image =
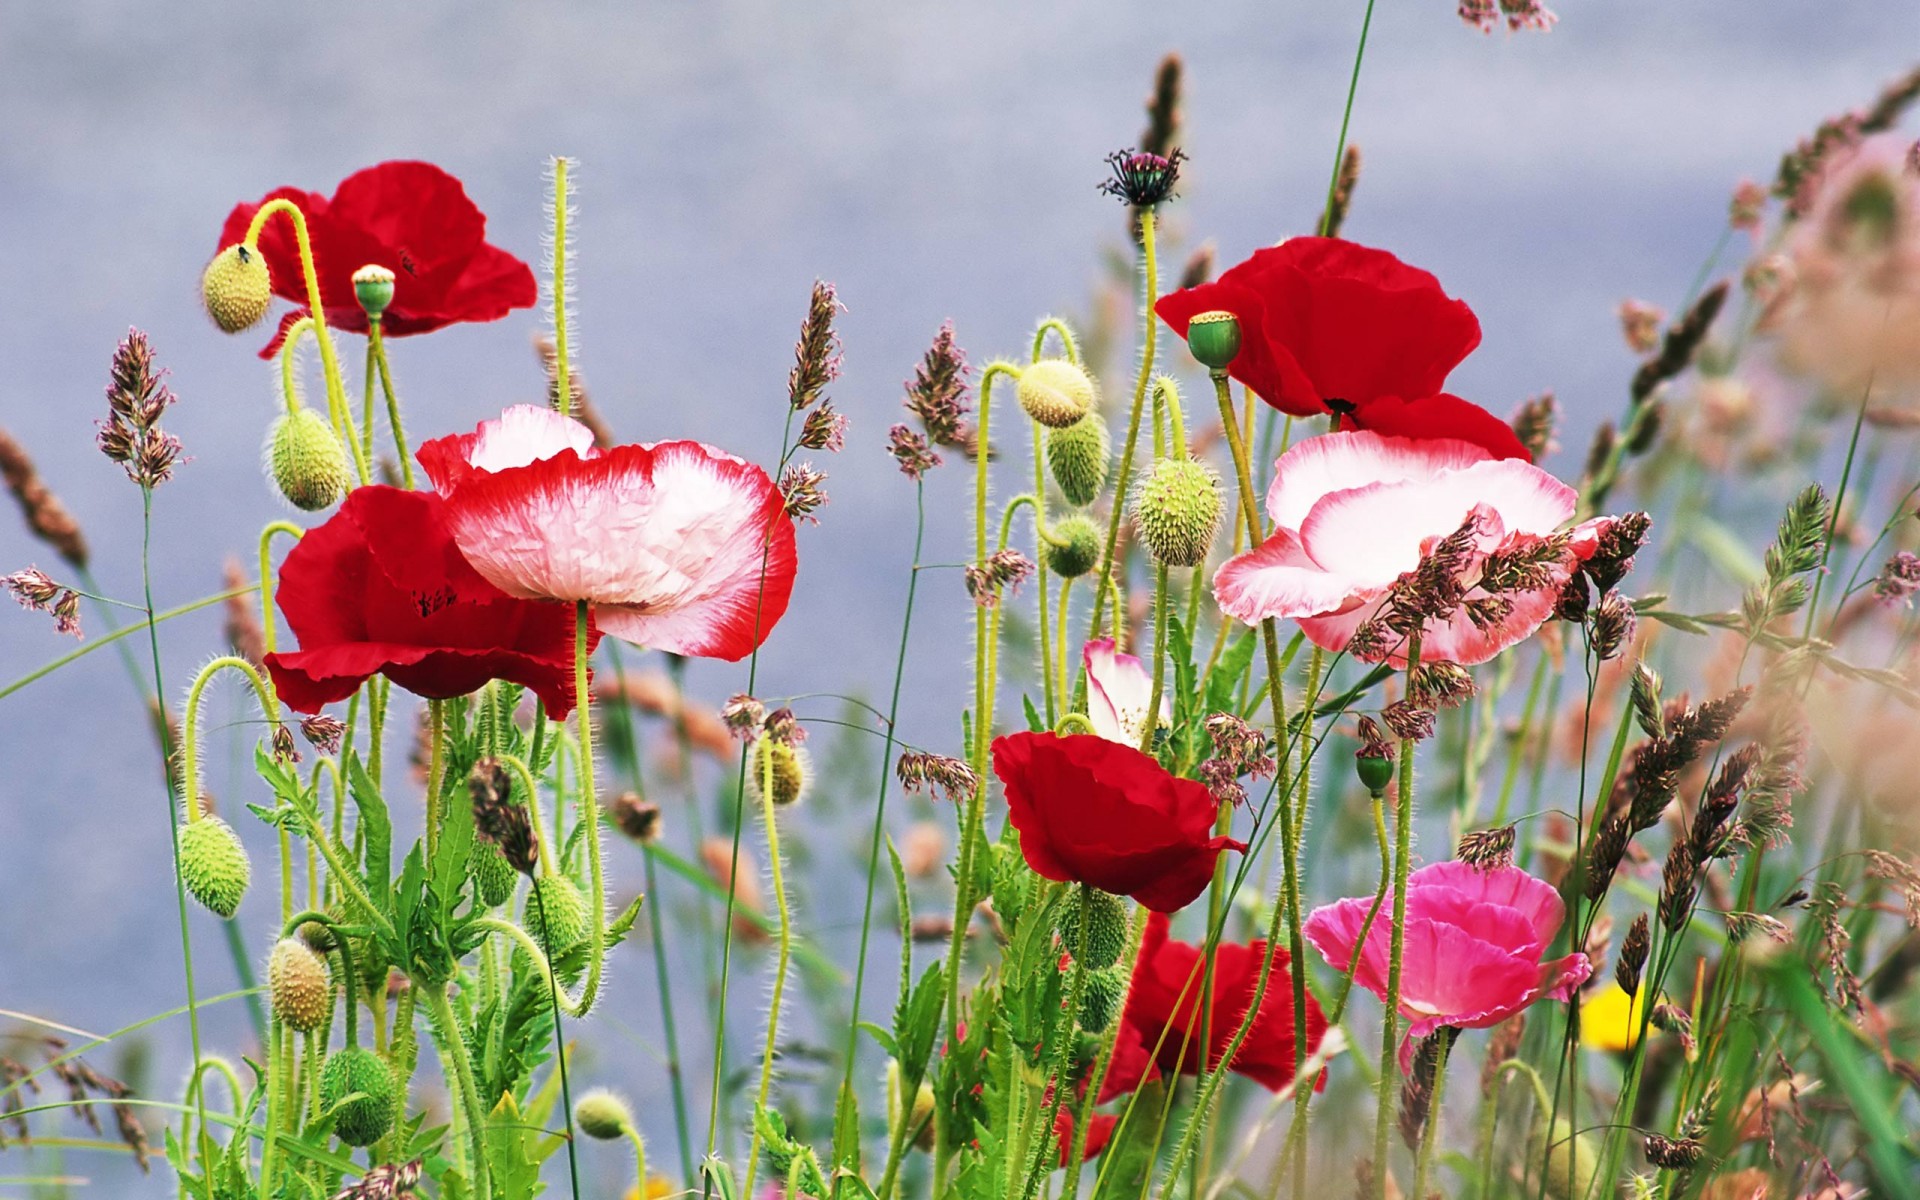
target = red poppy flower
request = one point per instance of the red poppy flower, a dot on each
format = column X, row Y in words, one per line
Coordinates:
column 410, row 217
column 381, row 589
column 1441, row 416
column 1099, row 1132
column 678, row 546
column 1097, row 812
column 1322, row 319
column 1160, row 1030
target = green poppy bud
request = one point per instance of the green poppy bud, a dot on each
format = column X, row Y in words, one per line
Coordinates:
column 299, row 986
column 1100, row 1002
column 1214, row 339
column 1571, row 1159
column 1177, row 510
column 213, row 865
column 308, row 463
column 236, row 288
column 1104, row 918
column 1056, row 393
column 1078, row 548
column 1375, row 773
column 362, row 1121
column 493, row 876
column 603, row 1115
column 373, row 287
column 565, row 923
column 1079, row 457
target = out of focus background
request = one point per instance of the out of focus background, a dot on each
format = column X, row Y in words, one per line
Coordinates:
column 933, row 162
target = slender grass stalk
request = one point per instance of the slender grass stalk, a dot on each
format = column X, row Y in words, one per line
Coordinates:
column 1396, row 945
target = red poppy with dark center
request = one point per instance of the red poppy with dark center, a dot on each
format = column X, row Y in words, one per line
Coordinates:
column 1096, row 812
column 1330, row 326
column 381, row 589
column 412, row 218
column 1160, row 1029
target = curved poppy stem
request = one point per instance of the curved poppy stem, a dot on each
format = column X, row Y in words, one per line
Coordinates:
column 267, row 625
column 338, row 413
column 589, row 801
column 190, row 748
column 1059, row 329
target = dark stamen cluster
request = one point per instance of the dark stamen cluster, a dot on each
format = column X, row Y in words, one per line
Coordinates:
column 1142, row 179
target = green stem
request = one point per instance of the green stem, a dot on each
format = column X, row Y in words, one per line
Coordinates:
column 785, row 953
column 560, row 1053
column 453, row 1053
column 1430, row 1134
column 589, row 800
column 190, row 755
column 1353, row 88
column 377, row 342
column 1058, row 328
column 1150, row 725
column 562, row 378
column 268, row 628
column 108, row 639
column 1150, row 289
column 1390, row 1019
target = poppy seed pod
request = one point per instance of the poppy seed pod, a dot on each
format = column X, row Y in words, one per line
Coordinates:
column 299, row 986
column 237, row 288
column 603, row 1115
column 213, row 865
column 1375, row 773
column 1177, row 510
column 1100, row 1002
column 373, row 288
column 1079, row 457
column 1076, row 549
column 790, row 770
column 1056, row 393
column 307, row 462
column 565, row 924
column 366, row 1120
column 1214, row 339
column 1103, row 917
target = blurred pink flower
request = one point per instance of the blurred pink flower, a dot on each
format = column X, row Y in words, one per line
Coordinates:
column 677, row 545
column 1473, row 947
column 1353, row 512
column 1119, row 689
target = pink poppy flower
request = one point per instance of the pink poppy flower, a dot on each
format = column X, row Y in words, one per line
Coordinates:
column 1355, row 511
column 678, row 546
column 1119, row 689
column 1473, row 947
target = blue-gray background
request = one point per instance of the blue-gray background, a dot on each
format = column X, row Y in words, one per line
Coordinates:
column 934, row 161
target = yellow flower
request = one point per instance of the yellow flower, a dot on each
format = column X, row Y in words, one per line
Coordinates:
column 1610, row 1019
column 657, row 1188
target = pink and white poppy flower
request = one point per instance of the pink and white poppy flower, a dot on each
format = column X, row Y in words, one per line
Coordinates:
column 1352, row 512
column 678, row 546
column 1119, row 689
column 1472, row 952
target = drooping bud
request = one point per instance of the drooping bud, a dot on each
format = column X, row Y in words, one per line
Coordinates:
column 1056, row 393
column 213, row 865
column 307, row 461
column 367, row 1119
column 1102, row 918
column 1177, row 511
column 564, row 923
column 1075, row 549
column 780, row 767
column 1214, row 339
column 638, row 819
column 373, row 287
column 603, row 1115
column 1080, row 456
column 493, row 876
column 1100, row 1003
column 237, row 288
column 298, row 983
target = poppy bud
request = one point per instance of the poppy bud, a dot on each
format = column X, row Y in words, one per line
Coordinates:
column 309, row 465
column 1103, row 916
column 366, row 1120
column 603, row 1115
column 236, row 288
column 213, row 865
column 1214, row 339
column 788, row 769
column 1571, row 1158
column 564, row 924
column 1077, row 549
column 1177, row 511
column 1079, row 457
column 920, row 1118
column 1056, row 393
column 1100, row 1002
column 299, row 986
column 1375, row 773
column 373, row 287
column 493, row 876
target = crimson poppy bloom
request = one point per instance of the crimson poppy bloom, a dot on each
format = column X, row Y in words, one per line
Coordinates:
column 1099, row 1132
column 676, row 545
column 1328, row 325
column 1160, row 1029
column 1097, row 812
column 381, row 589
column 413, row 219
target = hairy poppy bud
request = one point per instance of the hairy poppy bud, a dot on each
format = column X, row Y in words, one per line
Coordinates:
column 1214, row 339
column 299, row 986
column 1056, row 393
column 1076, row 548
column 362, row 1121
column 236, row 288
column 1079, row 457
column 920, row 1118
column 1100, row 1003
column 493, row 876
column 213, row 865
column 1102, row 916
column 308, row 463
column 373, row 287
column 786, row 764
column 1571, row 1158
column 1177, row 511
column 564, row 925
column 601, row 1114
